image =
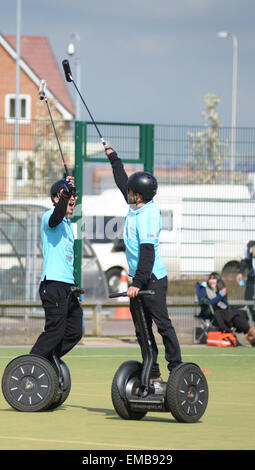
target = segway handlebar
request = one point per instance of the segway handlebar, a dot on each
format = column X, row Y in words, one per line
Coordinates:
column 124, row 294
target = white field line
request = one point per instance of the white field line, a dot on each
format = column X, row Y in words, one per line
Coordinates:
column 87, row 443
column 87, row 356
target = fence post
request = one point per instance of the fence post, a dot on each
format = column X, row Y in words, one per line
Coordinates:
column 96, row 320
column 147, row 146
column 78, row 175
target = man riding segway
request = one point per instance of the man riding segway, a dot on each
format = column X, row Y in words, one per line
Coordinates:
column 146, row 268
column 41, row 380
column 63, row 322
column 137, row 387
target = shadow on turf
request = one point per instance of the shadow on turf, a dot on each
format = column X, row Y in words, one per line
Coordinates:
column 111, row 414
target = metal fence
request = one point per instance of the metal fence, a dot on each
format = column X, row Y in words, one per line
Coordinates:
column 196, row 154
column 208, row 183
column 206, row 190
column 206, row 194
column 177, row 154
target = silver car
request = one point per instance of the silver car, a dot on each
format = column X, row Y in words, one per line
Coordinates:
column 21, row 254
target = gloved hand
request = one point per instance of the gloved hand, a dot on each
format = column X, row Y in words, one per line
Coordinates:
column 68, row 188
column 108, row 150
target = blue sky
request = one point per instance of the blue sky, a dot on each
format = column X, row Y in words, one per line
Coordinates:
column 150, row 61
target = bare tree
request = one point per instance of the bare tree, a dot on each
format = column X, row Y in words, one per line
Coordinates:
column 205, row 147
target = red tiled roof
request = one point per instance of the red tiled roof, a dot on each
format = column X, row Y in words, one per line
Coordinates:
column 37, row 53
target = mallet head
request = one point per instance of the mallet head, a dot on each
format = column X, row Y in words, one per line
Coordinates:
column 42, row 89
column 67, row 70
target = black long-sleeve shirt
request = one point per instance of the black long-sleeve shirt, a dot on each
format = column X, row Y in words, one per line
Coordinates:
column 119, row 174
column 59, row 212
column 147, row 252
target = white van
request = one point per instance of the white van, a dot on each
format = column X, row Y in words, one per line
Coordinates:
column 204, row 227
column 210, row 226
column 102, row 223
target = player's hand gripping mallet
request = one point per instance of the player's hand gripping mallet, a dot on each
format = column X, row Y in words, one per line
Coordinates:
column 69, row 78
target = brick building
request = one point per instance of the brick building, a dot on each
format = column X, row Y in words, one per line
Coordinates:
column 18, row 158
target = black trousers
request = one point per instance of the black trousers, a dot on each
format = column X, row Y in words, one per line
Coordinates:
column 226, row 319
column 250, row 288
column 155, row 309
column 63, row 320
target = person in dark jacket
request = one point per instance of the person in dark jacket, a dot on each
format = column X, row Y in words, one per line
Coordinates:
column 146, row 268
column 247, row 268
column 212, row 296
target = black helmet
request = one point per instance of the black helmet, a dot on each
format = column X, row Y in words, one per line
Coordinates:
column 60, row 184
column 143, row 183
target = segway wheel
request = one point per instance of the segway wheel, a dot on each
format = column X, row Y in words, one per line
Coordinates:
column 30, row 383
column 64, row 386
column 120, row 404
column 187, row 393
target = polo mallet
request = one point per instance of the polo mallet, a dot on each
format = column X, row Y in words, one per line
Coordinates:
column 69, row 78
column 42, row 96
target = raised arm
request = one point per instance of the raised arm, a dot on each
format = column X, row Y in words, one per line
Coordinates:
column 119, row 174
column 61, row 206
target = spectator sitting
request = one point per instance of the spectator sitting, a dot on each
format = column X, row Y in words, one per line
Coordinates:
column 212, row 296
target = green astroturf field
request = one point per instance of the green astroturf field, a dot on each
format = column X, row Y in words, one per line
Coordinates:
column 87, row 419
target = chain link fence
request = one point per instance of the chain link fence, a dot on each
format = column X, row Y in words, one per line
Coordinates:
column 206, row 196
column 202, row 155
column 207, row 183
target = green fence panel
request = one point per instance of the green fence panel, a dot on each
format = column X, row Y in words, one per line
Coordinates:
column 80, row 135
column 134, row 144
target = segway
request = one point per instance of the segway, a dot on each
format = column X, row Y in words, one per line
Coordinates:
column 34, row 383
column 185, row 394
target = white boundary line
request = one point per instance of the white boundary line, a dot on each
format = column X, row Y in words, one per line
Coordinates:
column 58, row 441
column 100, row 356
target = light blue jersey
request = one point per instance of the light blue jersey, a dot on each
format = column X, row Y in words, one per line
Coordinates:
column 143, row 225
column 57, row 246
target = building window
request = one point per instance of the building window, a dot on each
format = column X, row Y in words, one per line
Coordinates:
column 10, row 108
column 25, row 168
column 19, row 175
column 30, row 170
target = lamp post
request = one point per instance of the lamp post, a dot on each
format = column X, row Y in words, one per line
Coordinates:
column 224, row 35
column 17, row 96
column 74, row 50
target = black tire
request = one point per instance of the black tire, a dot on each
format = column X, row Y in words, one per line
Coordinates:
column 30, row 383
column 120, row 404
column 64, row 388
column 187, row 393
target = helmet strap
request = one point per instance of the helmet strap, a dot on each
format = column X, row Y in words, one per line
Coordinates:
column 134, row 202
